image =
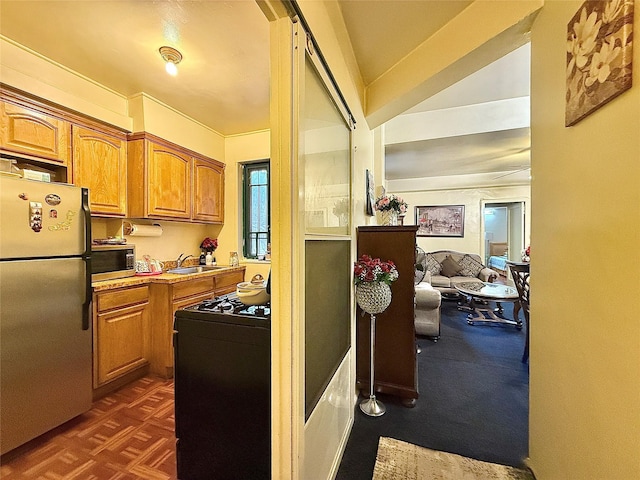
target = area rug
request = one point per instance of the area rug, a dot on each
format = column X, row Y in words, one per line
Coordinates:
column 397, row 460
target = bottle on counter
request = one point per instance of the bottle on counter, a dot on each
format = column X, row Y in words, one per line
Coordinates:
column 203, row 259
column 209, row 259
column 233, row 259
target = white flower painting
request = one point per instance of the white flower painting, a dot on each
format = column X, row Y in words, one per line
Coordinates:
column 599, row 55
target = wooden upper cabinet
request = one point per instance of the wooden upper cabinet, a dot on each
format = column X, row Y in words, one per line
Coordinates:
column 168, row 181
column 159, row 180
column 100, row 164
column 35, row 133
column 208, row 191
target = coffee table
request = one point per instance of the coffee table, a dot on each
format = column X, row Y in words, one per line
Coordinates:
column 479, row 294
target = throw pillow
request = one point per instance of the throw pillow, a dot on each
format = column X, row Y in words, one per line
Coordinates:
column 450, row 267
column 470, row 266
column 433, row 266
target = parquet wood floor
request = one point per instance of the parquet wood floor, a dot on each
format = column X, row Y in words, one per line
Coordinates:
column 126, row 435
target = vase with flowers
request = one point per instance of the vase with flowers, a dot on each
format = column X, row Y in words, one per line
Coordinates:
column 209, row 246
column 526, row 254
column 373, row 279
column 391, row 206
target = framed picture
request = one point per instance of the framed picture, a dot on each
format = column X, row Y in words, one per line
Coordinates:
column 316, row 218
column 369, row 189
column 440, row 221
column 599, row 54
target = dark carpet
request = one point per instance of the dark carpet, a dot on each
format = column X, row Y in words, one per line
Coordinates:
column 473, row 400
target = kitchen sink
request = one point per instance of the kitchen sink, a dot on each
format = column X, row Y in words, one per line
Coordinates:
column 198, row 269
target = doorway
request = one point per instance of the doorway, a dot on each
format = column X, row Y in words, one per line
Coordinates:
column 503, row 230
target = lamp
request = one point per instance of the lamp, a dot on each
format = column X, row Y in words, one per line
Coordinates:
column 172, row 57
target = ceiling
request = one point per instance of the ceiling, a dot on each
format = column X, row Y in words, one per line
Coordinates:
column 223, row 79
column 474, row 140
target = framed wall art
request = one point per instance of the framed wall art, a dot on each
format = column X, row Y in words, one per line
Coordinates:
column 440, row 221
column 370, row 194
column 599, row 56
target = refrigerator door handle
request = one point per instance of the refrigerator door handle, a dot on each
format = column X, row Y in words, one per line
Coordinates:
column 86, row 306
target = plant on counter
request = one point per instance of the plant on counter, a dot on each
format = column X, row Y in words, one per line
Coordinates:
column 374, row 270
column 209, row 244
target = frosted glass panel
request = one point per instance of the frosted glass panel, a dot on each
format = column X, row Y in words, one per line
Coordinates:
column 325, row 156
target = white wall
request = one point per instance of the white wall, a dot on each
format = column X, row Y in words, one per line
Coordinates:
column 471, row 198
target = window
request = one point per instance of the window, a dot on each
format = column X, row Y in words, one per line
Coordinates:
column 256, row 223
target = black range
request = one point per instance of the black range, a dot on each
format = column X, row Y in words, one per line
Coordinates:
column 222, row 375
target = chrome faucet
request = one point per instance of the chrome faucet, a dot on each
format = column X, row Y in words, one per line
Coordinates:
column 179, row 260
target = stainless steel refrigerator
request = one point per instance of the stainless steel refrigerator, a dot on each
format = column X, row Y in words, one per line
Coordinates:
column 45, row 295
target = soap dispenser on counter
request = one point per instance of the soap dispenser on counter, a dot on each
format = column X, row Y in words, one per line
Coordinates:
column 203, row 259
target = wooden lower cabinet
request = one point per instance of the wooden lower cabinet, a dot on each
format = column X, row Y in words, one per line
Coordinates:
column 165, row 300
column 120, row 332
column 133, row 326
column 227, row 282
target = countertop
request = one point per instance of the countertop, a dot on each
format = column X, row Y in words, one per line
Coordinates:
column 162, row 278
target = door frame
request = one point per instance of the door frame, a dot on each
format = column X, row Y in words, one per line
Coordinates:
column 526, row 216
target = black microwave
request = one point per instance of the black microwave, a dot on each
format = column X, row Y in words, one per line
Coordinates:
column 112, row 261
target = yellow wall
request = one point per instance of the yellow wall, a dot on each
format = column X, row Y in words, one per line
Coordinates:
column 152, row 116
column 240, row 148
column 585, row 333
column 177, row 237
column 29, row 71
column 38, row 75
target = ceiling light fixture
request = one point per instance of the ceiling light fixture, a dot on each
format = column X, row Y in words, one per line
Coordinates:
column 172, row 57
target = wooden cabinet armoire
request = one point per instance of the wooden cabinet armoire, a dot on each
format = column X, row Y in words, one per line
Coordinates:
column 395, row 348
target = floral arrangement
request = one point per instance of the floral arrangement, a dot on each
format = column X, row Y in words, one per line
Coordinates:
column 391, row 202
column 526, row 255
column 370, row 270
column 209, row 244
column 341, row 207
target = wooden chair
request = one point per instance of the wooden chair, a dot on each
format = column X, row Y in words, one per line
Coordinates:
column 520, row 274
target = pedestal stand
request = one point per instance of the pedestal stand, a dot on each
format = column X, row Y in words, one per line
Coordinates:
column 372, row 406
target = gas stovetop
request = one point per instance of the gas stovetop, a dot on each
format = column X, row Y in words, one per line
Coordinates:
column 231, row 305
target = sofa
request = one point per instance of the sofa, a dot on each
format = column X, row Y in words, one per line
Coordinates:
column 427, row 310
column 445, row 268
